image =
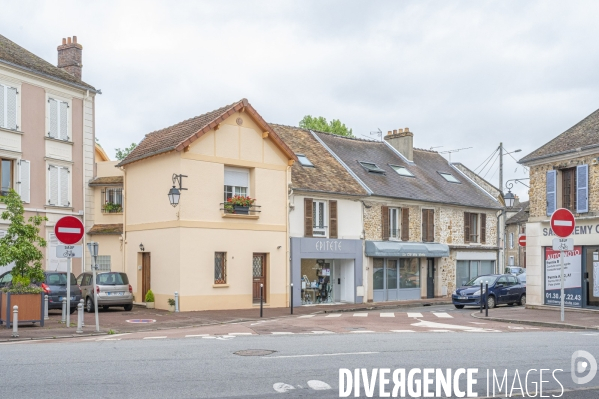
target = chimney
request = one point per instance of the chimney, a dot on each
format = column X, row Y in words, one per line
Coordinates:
column 403, row 141
column 70, row 56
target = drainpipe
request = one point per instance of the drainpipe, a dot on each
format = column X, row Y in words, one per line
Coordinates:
column 500, row 250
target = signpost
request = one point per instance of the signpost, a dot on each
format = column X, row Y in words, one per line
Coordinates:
column 562, row 224
column 68, row 230
column 93, row 251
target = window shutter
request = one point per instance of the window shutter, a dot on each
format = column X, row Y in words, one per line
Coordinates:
column 53, row 114
column 333, row 219
column 405, row 224
column 53, row 185
column 11, row 108
column 466, row 227
column 308, row 218
column 385, row 222
column 550, row 191
column 64, row 187
column 63, row 121
column 2, row 106
column 25, row 179
column 483, row 228
column 582, row 188
column 430, row 226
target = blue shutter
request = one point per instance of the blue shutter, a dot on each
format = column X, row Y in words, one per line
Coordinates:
column 551, row 191
column 582, row 188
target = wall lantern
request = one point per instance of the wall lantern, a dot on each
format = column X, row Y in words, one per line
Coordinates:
column 141, row 247
column 509, row 199
column 175, row 193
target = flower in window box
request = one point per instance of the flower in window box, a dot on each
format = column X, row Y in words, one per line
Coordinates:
column 239, row 204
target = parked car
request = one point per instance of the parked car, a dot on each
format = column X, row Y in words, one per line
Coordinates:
column 113, row 289
column 522, row 278
column 503, row 289
column 515, row 270
column 55, row 286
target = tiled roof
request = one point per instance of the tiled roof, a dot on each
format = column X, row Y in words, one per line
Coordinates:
column 15, row 55
column 107, row 181
column 426, row 185
column 327, row 175
column 522, row 215
column 182, row 134
column 106, row 229
column 583, row 135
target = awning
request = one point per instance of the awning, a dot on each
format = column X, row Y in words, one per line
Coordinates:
column 389, row 249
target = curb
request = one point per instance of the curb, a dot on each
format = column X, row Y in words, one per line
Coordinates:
column 395, row 306
column 476, row 315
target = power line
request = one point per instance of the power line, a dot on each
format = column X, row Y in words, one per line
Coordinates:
column 486, row 160
column 490, row 167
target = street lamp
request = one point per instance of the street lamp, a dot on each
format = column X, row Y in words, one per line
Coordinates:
column 175, row 193
column 509, row 199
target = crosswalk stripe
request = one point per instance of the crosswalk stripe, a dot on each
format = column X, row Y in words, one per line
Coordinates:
column 322, row 332
column 440, row 331
column 196, row 335
column 306, row 316
column 362, row 331
column 387, row 314
column 443, row 315
column 334, row 315
column 281, row 333
column 360, row 314
column 244, row 333
column 414, row 314
column 402, row 331
column 164, row 336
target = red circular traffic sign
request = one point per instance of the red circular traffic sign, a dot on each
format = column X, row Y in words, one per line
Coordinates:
column 69, row 230
column 522, row 240
column 562, row 222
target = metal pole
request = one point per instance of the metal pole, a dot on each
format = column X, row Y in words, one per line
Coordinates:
column 487, row 300
column 481, row 297
column 261, row 297
column 46, row 317
column 15, row 321
column 64, row 310
column 176, row 302
column 68, row 292
column 501, row 168
column 79, row 318
column 82, row 314
column 95, row 296
column 561, row 256
column 291, row 300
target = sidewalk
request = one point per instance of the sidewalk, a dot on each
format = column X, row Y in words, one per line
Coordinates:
column 547, row 317
column 119, row 321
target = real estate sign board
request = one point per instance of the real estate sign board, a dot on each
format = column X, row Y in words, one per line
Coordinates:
column 572, row 277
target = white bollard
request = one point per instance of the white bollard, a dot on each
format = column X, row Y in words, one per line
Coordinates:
column 15, row 321
column 79, row 318
column 46, row 317
column 176, row 302
column 64, row 311
column 82, row 313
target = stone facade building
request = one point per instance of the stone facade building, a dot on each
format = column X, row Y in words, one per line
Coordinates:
column 515, row 226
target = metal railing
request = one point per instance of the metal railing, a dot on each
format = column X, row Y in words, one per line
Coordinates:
column 240, row 210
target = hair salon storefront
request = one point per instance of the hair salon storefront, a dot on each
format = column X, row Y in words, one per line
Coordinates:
column 326, row 271
column 403, row 270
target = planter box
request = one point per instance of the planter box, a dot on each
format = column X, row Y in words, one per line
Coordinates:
column 31, row 308
column 150, row 305
column 241, row 210
column 171, row 308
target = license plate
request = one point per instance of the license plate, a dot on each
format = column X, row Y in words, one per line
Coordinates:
column 462, row 297
column 60, row 298
column 115, row 293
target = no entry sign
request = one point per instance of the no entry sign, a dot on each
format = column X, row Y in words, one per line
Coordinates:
column 522, row 240
column 69, row 230
column 562, row 222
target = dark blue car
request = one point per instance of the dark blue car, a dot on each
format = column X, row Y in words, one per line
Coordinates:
column 503, row 289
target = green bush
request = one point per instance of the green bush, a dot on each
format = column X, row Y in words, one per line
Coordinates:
column 19, row 288
column 171, row 302
column 149, row 296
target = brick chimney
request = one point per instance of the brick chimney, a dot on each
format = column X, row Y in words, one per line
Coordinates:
column 403, row 141
column 70, row 56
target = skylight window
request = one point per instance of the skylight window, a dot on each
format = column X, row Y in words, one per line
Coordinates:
column 402, row 170
column 372, row 167
column 449, row 177
column 304, row 161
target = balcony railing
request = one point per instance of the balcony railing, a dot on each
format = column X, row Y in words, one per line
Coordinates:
column 110, row 207
column 228, row 209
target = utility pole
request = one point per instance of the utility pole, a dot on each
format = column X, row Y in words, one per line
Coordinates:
column 501, row 168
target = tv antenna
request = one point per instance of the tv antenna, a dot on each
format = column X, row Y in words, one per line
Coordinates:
column 456, row 150
column 439, row 146
column 378, row 133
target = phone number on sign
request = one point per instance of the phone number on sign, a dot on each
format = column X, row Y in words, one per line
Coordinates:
column 569, row 297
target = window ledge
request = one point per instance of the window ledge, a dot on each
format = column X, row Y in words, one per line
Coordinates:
column 238, row 216
column 58, row 207
column 59, row 140
column 2, row 129
column 220, row 285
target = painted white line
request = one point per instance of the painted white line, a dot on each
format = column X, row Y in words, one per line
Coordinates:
column 442, row 326
column 590, row 334
column 334, row 315
column 476, row 322
column 361, row 331
column 387, row 314
column 306, row 316
column 558, row 223
column 109, row 337
column 414, row 314
column 443, row 315
column 73, row 230
column 440, row 331
column 281, row 333
column 240, row 334
column 162, row 337
column 320, row 355
column 196, row 335
column 360, row 314
column 318, row 385
column 281, row 387
column 403, row 331
column 322, row 332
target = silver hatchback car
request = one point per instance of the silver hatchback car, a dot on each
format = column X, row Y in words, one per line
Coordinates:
column 113, row 289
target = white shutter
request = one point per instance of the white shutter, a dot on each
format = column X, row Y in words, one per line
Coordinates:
column 582, row 188
column 64, row 187
column 550, row 191
column 25, row 180
column 53, row 115
column 53, row 185
column 11, row 108
column 63, row 121
column 2, row 106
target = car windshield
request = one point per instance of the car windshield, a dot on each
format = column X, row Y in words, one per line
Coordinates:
column 112, row 279
column 481, row 279
column 59, row 279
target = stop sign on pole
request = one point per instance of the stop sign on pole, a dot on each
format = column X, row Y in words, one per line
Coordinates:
column 562, row 222
column 522, row 240
column 69, row 230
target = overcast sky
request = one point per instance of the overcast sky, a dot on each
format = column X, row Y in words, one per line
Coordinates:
column 457, row 73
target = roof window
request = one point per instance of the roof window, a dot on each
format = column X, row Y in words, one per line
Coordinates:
column 449, row 177
column 371, row 167
column 402, row 170
column 304, row 161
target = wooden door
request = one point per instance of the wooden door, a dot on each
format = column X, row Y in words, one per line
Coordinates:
column 259, row 276
column 145, row 275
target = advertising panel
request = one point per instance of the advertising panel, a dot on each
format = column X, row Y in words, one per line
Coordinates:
column 572, row 277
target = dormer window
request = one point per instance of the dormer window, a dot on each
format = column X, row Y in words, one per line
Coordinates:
column 371, row 167
column 402, row 170
column 304, row 161
column 449, row 177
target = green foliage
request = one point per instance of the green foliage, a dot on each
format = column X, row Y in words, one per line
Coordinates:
column 112, row 208
column 18, row 288
column 171, row 302
column 22, row 242
column 320, row 123
column 111, row 332
column 149, row 296
column 122, row 154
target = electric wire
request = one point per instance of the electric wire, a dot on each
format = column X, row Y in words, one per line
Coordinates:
column 486, row 160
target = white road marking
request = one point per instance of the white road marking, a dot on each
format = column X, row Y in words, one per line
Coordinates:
column 320, row 355
column 430, row 324
column 387, row 314
column 414, row 314
column 360, row 314
column 281, row 333
column 196, row 335
column 323, row 332
column 244, row 333
column 590, row 334
column 318, row 385
column 443, row 315
column 110, row 337
column 306, row 316
column 161, row 337
column 476, row 322
column 440, row 331
column 334, row 315
column 361, row 331
column 402, row 331
column 281, row 387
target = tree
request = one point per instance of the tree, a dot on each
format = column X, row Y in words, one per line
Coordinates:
column 320, row 123
column 22, row 242
column 122, row 154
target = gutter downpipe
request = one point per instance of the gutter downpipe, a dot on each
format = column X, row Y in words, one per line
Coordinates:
column 501, row 250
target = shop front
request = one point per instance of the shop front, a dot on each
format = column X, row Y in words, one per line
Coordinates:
column 326, row 271
column 403, row 270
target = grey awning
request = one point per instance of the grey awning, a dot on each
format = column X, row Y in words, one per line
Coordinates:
column 406, row 249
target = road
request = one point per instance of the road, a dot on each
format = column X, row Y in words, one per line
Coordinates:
column 183, row 364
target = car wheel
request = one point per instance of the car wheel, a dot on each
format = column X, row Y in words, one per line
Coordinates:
column 459, row 306
column 491, row 302
column 89, row 305
column 128, row 308
column 73, row 310
column 522, row 301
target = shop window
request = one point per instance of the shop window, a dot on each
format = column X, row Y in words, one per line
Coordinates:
column 378, row 274
column 466, row 270
column 220, row 268
column 237, row 182
column 409, row 273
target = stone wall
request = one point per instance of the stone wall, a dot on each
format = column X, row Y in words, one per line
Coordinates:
column 488, row 187
column 372, row 221
column 516, row 250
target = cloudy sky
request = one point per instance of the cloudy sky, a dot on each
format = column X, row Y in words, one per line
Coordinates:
column 457, row 73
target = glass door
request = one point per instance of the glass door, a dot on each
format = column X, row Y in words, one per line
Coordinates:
column 392, row 273
column 378, row 280
column 591, row 277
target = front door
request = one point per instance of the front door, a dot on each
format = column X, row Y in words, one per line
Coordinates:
column 259, row 276
column 430, row 278
column 145, row 275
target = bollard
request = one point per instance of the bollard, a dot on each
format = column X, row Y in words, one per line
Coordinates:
column 176, row 302
column 82, row 313
column 79, row 318
column 481, row 297
column 46, row 317
column 15, row 321
column 64, row 311
column 487, row 300
column 261, row 297
column 291, row 301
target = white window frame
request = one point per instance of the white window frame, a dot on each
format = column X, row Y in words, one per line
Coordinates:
column 511, row 240
column 60, row 165
column 69, row 102
column 8, row 83
column 395, row 219
column 319, row 230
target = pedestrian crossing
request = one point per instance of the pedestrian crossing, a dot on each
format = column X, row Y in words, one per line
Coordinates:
column 415, row 315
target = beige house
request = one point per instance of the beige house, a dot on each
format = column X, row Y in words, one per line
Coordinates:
column 213, row 256
column 515, row 226
column 47, row 137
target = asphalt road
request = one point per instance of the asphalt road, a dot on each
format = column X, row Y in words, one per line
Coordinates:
column 209, row 368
